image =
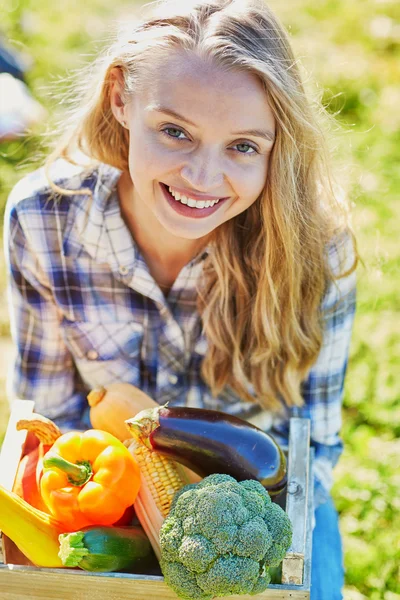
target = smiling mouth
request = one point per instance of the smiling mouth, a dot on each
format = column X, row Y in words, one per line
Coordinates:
column 192, row 202
column 190, row 207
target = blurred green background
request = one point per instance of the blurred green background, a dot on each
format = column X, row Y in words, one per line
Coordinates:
column 351, row 56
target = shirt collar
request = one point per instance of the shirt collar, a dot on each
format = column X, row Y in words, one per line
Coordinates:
column 96, row 225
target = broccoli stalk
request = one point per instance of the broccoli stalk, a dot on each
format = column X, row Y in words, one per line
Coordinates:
column 220, row 538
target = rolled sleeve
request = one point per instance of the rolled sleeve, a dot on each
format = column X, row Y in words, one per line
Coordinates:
column 43, row 369
column 324, row 387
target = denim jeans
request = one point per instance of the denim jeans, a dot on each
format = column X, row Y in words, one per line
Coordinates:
column 327, row 571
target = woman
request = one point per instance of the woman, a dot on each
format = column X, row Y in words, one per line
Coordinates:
column 185, row 237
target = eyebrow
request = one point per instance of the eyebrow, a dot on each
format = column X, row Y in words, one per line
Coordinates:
column 261, row 133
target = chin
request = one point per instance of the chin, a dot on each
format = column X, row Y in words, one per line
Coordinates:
column 192, row 229
column 187, row 233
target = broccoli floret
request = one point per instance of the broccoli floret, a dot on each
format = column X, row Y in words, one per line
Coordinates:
column 254, row 539
column 261, row 585
column 221, row 537
column 280, row 527
column 230, row 575
column 251, row 485
column 171, row 538
column 215, row 479
column 197, row 553
column 180, row 578
column 179, row 493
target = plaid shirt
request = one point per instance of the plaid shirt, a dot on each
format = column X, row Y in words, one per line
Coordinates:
column 86, row 312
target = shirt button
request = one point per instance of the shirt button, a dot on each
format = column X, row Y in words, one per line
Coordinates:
column 92, row 355
column 173, row 379
column 123, row 270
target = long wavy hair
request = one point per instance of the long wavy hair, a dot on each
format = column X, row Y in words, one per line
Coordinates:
column 263, row 283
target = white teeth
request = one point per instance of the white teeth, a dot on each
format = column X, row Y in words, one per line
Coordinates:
column 190, row 201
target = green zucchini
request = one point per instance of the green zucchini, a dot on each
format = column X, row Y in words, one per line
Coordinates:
column 108, row 549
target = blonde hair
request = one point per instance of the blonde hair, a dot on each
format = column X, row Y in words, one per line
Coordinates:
column 264, row 280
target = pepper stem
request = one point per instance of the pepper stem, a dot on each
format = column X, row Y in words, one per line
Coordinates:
column 78, row 474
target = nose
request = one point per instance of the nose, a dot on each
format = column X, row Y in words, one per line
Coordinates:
column 203, row 171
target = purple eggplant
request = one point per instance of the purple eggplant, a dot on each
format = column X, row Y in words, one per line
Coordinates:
column 209, row 441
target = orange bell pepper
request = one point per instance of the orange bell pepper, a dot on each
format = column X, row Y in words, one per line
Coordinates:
column 89, row 478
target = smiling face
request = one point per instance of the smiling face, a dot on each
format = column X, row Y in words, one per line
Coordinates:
column 199, row 145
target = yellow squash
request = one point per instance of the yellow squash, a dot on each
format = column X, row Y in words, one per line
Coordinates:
column 34, row 532
column 110, row 407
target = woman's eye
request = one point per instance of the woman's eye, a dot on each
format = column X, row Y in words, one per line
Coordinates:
column 175, row 133
column 246, row 149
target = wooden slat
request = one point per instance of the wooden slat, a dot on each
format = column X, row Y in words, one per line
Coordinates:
column 11, row 452
column 13, row 443
column 309, row 533
column 47, row 584
column 297, row 499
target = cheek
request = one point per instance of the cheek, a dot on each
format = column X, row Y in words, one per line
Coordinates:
column 250, row 181
column 149, row 158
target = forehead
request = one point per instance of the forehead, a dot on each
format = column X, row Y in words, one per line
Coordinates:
column 196, row 87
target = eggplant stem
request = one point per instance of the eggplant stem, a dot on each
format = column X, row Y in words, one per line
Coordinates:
column 144, row 423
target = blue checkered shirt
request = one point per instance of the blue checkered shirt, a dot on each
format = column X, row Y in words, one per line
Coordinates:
column 85, row 312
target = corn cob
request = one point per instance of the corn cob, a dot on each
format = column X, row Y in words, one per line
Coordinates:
column 161, row 478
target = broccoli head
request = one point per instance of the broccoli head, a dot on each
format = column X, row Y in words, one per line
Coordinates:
column 220, row 538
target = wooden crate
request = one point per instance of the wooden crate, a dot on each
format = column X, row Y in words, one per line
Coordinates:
column 19, row 579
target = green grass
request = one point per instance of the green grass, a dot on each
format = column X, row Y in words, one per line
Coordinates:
column 351, row 49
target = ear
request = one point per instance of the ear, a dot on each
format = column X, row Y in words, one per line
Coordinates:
column 117, row 104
